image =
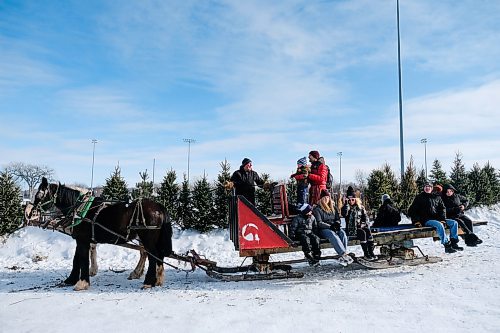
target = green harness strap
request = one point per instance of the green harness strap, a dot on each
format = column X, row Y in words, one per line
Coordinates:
column 82, row 211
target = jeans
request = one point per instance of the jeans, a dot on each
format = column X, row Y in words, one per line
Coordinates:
column 337, row 239
column 302, row 194
column 452, row 224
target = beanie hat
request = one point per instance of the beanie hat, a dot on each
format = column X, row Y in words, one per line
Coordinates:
column 302, row 161
column 324, row 193
column 428, row 183
column 245, row 161
column 350, row 192
column 305, row 209
column 385, row 197
column 314, row 153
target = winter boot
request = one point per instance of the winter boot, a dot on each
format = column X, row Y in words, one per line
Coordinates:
column 311, row 260
column 366, row 254
column 471, row 240
column 370, row 248
column 448, row 248
column 454, row 244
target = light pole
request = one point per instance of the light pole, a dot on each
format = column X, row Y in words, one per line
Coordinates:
column 400, row 101
column 339, row 154
column 189, row 141
column 424, row 141
column 94, row 141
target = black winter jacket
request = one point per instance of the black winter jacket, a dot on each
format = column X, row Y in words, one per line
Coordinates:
column 387, row 215
column 303, row 225
column 452, row 202
column 425, row 207
column 324, row 219
column 245, row 182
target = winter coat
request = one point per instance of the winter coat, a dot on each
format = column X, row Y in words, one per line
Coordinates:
column 302, row 225
column 387, row 215
column 245, row 182
column 317, row 178
column 427, row 206
column 453, row 202
column 356, row 213
column 324, row 219
column 301, row 175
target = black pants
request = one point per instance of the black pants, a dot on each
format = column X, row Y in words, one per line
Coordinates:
column 364, row 234
column 465, row 223
column 310, row 243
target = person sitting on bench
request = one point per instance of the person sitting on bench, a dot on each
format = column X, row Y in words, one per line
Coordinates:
column 455, row 206
column 328, row 219
column 303, row 229
column 388, row 215
column 428, row 209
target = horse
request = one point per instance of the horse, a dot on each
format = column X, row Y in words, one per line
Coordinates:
column 116, row 223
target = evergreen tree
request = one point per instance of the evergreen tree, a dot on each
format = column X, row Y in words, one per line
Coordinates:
column 291, row 193
column 492, row 185
column 185, row 210
column 202, row 205
column 10, row 204
column 115, row 187
column 421, row 180
column 392, row 181
column 263, row 197
column 458, row 175
column 144, row 189
column 377, row 185
column 220, row 212
column 409, row 187
column 168, row 194
column 438, row 176
column 477, row 184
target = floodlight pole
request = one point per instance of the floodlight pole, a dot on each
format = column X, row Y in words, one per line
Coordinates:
column 424, row 141
column 339, row 154
column 400, row 101
column 189, row 141
column 94, row 141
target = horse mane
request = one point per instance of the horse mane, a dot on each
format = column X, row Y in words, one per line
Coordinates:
column 76, row 188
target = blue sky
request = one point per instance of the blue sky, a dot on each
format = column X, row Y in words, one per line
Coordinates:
column 259, row 79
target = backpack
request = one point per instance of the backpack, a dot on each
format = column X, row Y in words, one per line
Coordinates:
column 329, row 179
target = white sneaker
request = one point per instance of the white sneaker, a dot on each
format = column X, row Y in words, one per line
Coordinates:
column 345, row 260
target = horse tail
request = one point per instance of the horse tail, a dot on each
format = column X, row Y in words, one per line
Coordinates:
column 165, row 245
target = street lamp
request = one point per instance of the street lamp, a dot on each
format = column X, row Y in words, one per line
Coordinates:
column 94, row 141
column 189, row 141
column 339, row 154
column 424, row 141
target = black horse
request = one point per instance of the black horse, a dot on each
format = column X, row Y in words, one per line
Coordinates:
column 115, row 223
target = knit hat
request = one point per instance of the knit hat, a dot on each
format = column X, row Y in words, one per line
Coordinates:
column 314, row 153
column 305, row 209
column 428, row 183
column 385, row 197
column 302, row 161
column 324, row 193
column 245, row 161
column 350, row 192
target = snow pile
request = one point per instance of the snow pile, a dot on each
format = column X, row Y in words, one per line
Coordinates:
column 459, row 294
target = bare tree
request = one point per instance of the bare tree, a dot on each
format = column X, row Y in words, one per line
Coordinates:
column 360, row 179
column 29, row 173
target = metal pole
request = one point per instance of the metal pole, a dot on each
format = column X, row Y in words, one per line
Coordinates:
column 94, row 141
column 339, row 154
column 189, row 141
column 400, row 101
column 424, row 141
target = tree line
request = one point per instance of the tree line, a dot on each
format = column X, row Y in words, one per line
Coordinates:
column 204, row 206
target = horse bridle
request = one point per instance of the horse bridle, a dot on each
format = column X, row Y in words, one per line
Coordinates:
column 52, row 200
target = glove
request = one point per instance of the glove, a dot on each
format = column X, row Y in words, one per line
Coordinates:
column 228, row 185
column 335, row 226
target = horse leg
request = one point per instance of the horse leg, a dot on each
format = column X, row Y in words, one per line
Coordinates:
column 72, row 279
column 82, row 250
column 139, row 269
column 150, row 279
column 93, row 259
column 160, row 275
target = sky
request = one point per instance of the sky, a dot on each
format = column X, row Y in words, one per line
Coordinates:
column 265, row 80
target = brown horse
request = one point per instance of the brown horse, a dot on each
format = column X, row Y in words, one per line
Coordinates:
column 116, row 223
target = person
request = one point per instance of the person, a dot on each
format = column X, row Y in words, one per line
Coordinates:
column 244, row 181
column 318, row 176
column 455, row 206
column 303, row 228
column 328, row 220
column 357, row 219
column 437, row 189
column 428, row 209
column 388, row 215
column 300, row 176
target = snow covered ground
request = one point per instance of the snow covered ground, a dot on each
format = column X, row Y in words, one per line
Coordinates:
column 459, row 294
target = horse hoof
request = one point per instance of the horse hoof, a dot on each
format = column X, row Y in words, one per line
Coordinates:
column 146, row 286
column 134, row 276
column 70, row 282
column 81, row 285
